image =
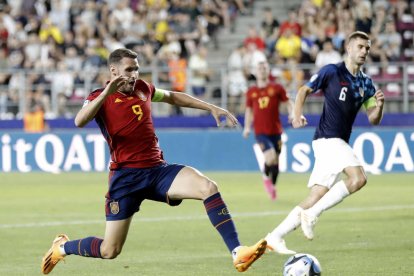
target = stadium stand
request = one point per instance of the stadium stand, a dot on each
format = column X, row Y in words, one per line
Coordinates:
column 52, row 52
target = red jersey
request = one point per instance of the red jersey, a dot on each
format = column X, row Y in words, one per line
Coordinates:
column 125, row 122
column 264, row 103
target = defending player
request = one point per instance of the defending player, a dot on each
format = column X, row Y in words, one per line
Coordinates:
column 138, row 171
column 262, row 107
column 346, row 89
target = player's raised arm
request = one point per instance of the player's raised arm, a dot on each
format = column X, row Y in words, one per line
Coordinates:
column 185, row 100
column 89, row 109
column 376, row 110
column 298, row 119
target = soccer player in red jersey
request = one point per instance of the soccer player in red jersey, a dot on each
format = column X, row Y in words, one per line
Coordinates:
column 262, row 108
column 138, row 170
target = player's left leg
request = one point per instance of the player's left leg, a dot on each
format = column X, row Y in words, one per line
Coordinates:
column 270, row 146
column 107, row 248
column 189, row 183
column 356, row 179
column 275, row 239
column 271, row 170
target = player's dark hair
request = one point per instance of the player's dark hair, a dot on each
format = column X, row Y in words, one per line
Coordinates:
column 116, row 56
column 357, row 34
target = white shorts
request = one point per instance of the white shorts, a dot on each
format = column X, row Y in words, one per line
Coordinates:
column 332, row 156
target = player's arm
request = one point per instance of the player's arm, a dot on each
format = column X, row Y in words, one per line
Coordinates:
column 89, row 109
column 375, row 107
column 298, row 119
column 288, row 106
column 248, row 120
column 185, row 100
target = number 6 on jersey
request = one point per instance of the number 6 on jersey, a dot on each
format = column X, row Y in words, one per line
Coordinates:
column 342, row 95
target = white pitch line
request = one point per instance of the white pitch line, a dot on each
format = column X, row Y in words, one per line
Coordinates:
column 186, row 218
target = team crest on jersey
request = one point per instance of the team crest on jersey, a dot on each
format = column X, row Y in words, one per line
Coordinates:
column 254, row 95
column 114, row 206
column 142, row 96
column 270, row 91
column 361, row 91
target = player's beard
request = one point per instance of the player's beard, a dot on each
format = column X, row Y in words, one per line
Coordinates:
column 360, row 60
column 128, row 88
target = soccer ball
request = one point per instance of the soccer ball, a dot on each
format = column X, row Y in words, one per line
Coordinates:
column 302, row 264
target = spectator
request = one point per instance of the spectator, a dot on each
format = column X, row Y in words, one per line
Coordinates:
column 47, row 29
column 363, row 16
column 380, row 17
column 289, row 45
column 186, row 30
column 327, row 55
column 270, row 30
column 72, row 59
column 237, row 83
column 16, row 88
column 62, row 82
column 199, row 72
column 291, row 23
column 122, row 16
column 346, row 26
column 292, row 76
column 210, row 19
column 177, row 74
column 32, row 48
column 390, row 41
column 253, row 37
column 34, row 120
column 251, row 59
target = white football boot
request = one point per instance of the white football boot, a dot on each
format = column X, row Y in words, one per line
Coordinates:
column 308, row 222
column 278, row 245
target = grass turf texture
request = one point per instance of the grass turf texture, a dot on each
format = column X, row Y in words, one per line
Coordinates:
column 370, row 233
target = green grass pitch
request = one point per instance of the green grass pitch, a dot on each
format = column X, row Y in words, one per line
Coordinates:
column 370, row 233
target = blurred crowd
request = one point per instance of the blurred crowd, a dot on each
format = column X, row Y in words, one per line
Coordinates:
column 65, row 43
column 59, row 39
column 315, row 33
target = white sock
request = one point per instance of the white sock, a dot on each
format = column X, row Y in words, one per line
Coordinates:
column 62, row 249
column 234, row 252
column 288, row 224
column 335, row 195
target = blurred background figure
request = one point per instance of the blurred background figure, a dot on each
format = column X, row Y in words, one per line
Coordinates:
column 200, row 72
column 263, row 103
column 34, row 120
column 237, row 82
column 328, row 55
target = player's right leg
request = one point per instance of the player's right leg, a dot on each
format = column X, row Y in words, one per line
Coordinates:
column 327, row 172
column 108, row 248
column 189, row 183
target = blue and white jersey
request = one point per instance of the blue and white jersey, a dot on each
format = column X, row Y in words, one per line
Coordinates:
column 344, row 95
